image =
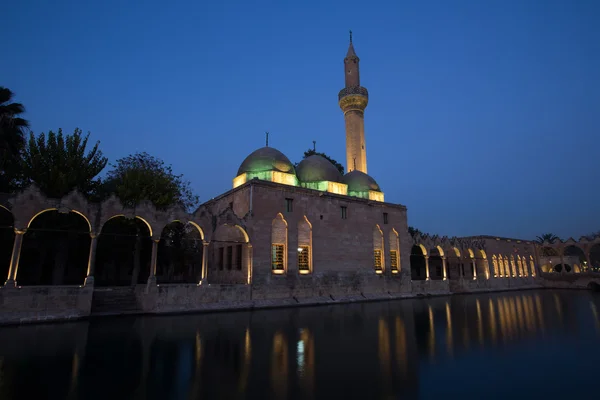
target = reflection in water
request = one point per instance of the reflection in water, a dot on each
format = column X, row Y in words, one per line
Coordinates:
column 375, row 350
column 279, row 365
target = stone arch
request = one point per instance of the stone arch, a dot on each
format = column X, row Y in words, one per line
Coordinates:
column 454, row 262
column 124, row 251
column 418, row 263
column 436, row 264
column 279, row 245
column 574, row 255
column 229, row 255
column 394, row 246
column 513, row 266
column 495, row 266
column 506, row 267
column 520, row 269
column 305, row 246
column 7, row 238
column 55, row 248
column 594, row 257
column 180, row 253
column 468, row 269
column 481, row 264
column 127, row 217
column 378, row 250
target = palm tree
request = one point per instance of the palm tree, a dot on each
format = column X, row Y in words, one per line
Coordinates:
column 12, row 140
column 550, row 238
column 546, row 237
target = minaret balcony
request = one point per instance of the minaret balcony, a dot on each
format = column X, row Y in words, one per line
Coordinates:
column 354, row 90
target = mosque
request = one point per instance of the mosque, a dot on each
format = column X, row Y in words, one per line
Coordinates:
column 283, row 235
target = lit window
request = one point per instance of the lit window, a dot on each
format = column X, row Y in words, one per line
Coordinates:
column 394, row 260
column 304, row 258
column 277, row 257
column 378, row 266
column 344, row 212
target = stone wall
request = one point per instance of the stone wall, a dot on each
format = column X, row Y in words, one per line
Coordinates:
column 44, row 303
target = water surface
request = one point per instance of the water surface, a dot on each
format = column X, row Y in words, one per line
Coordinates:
column 529, row 344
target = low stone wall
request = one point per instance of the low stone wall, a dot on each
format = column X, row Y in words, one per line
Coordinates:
column 44, row 303
column 553, row 280
column 37, row 304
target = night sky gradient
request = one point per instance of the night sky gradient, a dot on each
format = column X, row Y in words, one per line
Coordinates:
column 484, row 116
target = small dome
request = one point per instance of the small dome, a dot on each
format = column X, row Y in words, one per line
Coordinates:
column 317, row 168
column 266, row 159
column 358, row 181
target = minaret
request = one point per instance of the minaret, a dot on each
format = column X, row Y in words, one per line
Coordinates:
column 353, row 100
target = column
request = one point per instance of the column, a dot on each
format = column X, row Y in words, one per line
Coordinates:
column 588, row 261
column 89, row 279
column 444, row 268
column 474, row 266
column 16, row 255
column 153, row 260
column 427, row 268
column 562, row 261
column 204, row 273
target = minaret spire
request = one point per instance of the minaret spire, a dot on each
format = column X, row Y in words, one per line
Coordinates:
column 353, row 100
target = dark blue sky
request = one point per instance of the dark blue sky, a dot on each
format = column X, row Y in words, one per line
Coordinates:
column 484, row 116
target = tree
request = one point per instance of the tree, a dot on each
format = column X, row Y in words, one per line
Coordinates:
column 141, row 176
column 546, row 237
column 414, row 231
column 12, row 140
column 59, row 164
column 312, row 152
column 550, row 238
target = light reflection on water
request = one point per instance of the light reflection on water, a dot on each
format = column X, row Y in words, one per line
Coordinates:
column 463, row 345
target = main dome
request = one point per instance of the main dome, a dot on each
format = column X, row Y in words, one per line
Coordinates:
column 358, row 181
column 317, row 168
column 266, row 159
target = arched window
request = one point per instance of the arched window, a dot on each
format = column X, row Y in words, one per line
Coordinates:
column 532, row 265
column 495, row 265
column 304, row 246
column 378, row 250
column 394, row 252
column 513, row 266
column 506, row 268
column 279, row 245
column 520, row 266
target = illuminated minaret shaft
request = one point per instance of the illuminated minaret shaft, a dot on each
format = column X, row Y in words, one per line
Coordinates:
column 353, row 100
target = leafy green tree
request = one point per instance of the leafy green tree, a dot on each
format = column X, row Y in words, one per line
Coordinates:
column 312, row 152
column 141, row 176
column 12, row 140
column 58, row 164
column 414, row 231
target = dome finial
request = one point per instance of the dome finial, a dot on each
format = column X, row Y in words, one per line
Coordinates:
column 354, row 162
column 315, row 146
column 267, row 138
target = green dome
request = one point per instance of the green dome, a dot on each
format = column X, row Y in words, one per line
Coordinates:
column 358, row 181
column 266, row 159
column 317, row 169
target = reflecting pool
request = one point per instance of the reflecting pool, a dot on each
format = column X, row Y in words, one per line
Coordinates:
column 528, row 344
